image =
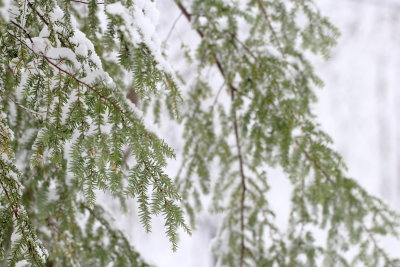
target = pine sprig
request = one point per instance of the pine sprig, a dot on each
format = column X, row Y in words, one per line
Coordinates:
column 26, row 246
column 77, row 131
column 268, row 123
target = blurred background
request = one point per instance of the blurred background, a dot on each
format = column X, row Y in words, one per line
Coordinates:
column 359, row 107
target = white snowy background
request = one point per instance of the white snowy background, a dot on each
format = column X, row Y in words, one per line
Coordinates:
column 359, row 107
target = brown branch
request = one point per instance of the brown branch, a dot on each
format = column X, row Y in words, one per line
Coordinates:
column 201, row 34
column 275, row 36
column 48, row 60
column 315, row 163
column 232, row 90
column 49, row 25
column 23, row 29
column 38, row 13
column 186, row 13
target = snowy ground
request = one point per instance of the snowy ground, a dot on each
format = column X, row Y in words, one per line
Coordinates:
column 358, row 107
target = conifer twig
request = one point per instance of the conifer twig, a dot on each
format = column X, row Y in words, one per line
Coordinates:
column 275, row 36
column 375, row 242
column 364, row 227
column 242, row 178
column 232, row 90
column 48, row 60
column 15, row 211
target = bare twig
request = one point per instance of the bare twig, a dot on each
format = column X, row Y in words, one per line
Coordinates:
column 172, row 27
column 23, row 107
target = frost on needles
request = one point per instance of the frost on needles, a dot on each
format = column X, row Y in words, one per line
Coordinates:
column 67, row 128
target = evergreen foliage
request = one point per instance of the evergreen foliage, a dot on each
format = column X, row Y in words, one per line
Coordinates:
column 68, row 129
column 64, row 80
column 259, row 47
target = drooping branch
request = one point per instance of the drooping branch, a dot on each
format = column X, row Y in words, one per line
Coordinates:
column 274, row 34
column 232, row 90
column 242, row 179
column 27, row 234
